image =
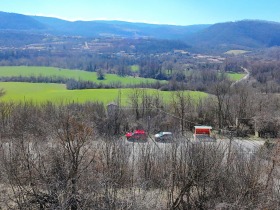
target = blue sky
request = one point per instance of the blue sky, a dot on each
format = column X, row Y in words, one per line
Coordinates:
column 175, row 12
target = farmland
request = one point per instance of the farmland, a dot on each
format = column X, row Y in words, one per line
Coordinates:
column 27, row 71
column 57, row 93
column 35, row 71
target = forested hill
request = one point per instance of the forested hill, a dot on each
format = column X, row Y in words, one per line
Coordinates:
column 240, row 34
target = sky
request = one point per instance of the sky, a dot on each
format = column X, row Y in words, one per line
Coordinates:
column 173, row 12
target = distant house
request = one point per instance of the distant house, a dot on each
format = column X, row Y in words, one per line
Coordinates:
column 201, row 131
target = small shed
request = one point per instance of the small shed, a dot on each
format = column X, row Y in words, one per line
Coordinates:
column 202, row 130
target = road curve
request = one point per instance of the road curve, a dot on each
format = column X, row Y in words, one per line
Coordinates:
column 246, row 77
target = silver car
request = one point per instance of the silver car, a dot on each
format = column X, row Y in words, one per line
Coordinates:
column 164, row 137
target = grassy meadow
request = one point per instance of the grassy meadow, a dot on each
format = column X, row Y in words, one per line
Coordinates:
column 235, row 76
column 27, row 71
column 232, row 76
column 57, row 93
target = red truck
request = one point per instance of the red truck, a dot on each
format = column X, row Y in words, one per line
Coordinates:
column 137, row 135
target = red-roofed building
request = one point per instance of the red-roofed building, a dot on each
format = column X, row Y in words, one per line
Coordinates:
column 202, row 131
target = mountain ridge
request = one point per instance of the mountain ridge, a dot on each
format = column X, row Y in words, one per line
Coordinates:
column 244, row 34
column 119, row 28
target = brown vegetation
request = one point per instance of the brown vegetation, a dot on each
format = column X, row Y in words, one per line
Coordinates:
column 73, row 156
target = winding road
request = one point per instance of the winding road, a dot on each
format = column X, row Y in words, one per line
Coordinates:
column 246, row 77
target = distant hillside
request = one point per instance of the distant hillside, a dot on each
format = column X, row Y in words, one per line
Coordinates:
column 12, row 38
column 55, row 26
column 12, row 21
column 240, row 34
column 117, row 28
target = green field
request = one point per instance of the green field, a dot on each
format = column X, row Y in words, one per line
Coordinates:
column 235, row 76
column 135, row 68
column 57, row 93
column 236, row 52
column 27, row 71
column 232, row 76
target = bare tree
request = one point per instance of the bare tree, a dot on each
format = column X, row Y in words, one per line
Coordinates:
column 184, row 109
column 221, row 91
column 73, row 136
